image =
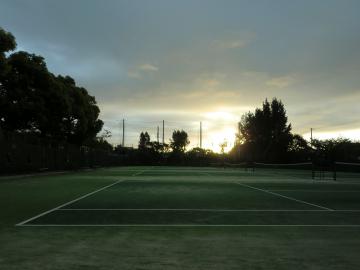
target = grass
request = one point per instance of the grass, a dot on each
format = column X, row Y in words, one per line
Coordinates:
column 179, row 196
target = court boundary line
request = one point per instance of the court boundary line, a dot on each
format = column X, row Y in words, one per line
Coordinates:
column 23, row 223
column 195, row 225
column 283, row 196
column 207, row 210
column 313, row 191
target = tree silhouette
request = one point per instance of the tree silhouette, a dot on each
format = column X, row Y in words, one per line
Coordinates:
column 265, row 134
column 7, row 43
column 299, row 149
column 32, row 99
column 223, row 145
column 144, row 141
column 179, row 141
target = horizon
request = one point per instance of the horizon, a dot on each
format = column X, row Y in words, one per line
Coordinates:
column 145, row 63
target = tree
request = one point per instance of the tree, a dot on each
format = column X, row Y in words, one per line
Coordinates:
column 339, row 149
column 223, row 145
column 159, row 147
column 7, row 43
column 82, row 123
column 200, row 157
column 101, row 141
column 179, row 141
column 32, row 99
column 265, row 134
column 144, row 141
column 299, row 149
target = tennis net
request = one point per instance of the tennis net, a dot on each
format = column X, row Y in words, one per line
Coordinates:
column 346, row 171
column 297, row 170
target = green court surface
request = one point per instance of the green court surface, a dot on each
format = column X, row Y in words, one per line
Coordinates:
column 179, row 218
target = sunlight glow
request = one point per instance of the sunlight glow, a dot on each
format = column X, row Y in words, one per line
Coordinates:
column 218, row 129
column 222, row 115
column 214, row 139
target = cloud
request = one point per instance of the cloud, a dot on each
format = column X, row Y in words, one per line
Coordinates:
column 121, row 66
column 134, row 75
column 280, row 82
column 207, row 83
column 137, row 72
column 229, row 44
column 148, row 67
column 212, row 82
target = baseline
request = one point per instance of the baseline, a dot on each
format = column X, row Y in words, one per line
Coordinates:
column 195, row 225
column 206, row 210
column 314, row 191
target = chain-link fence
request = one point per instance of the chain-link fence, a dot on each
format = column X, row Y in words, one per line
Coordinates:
column 29, row 153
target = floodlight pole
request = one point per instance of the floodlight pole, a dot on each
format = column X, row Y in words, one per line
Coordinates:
column 311, row 136
column 123, row 133
column 157, row 134
column 163, row 132
column 200, row 134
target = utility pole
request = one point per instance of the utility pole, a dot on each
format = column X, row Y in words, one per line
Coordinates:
column 200, row 134
column 163, row 133
column 157, row 134
column 123, row 133
column 311, row 136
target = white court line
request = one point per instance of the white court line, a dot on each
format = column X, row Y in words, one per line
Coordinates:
column 283, row 196
column 205, row 210
column 307, row 190
column 195, row 225
column 70, row 202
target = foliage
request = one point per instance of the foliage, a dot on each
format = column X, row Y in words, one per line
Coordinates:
column 179, row 141
column 101, row 143
column 160, row 147
column 144, row 141
column 223, row 145
column 7, row 43
column 265, row 134
column 336, row 150
column 200, row 157
column 299, row 149
column 34, row 100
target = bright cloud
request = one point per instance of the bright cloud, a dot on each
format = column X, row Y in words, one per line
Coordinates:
column 134, row 75
column 148, row 67
column 230, row 44
column 280, row 82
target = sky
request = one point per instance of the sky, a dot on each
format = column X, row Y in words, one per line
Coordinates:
column 208, row 61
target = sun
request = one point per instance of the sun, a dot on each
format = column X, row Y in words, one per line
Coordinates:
column 215, row 139
column 219, row 129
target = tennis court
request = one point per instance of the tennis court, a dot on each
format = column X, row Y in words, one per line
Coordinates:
column 179, row 218
column 208, row 197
